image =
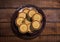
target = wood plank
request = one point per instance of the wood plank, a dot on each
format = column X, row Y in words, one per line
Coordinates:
column 52, row 15
column 39, row 3
column 50, row 28
column 58, row 28
column 58, row 16
column 38, row 39
column 6, row 14
column 5, row 29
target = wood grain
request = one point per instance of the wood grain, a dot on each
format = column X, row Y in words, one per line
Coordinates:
column 58, row 27
column 39, row 3
column 51, row 9
column 5, row 29
column 6, row 14
column 38, row 39
column 50, row 28
column 51, row 15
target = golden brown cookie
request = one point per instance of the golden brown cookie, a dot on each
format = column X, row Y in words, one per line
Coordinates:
column 36, row 25
column 26, row 10
column 27, row 22
column 32, row 12
column 22, row 14
column 19, row 21
column 29, row 28
column 37, row 17
column 23, row 28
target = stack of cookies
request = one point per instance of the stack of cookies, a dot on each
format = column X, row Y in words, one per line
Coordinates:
column 28, row 20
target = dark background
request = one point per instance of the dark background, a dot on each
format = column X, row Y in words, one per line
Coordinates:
column 51, row 9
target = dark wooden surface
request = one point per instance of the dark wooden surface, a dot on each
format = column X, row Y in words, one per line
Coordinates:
column 51, row 9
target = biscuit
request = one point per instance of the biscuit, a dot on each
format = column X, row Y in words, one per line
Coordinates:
column 36, row 25
column 19, row 21
column 32, row 12
column 37, row 17
column 23, row 28
column 26, row 10
column 22, row 14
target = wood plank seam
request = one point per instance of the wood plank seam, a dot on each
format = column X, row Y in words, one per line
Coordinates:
column 18, row 7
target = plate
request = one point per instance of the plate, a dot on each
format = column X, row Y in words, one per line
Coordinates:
column 27, row 35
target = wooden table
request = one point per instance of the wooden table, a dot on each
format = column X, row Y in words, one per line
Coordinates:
column 51, row 9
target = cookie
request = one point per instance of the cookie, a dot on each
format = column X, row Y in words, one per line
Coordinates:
column 37, row 17
column 19, row 21
column 23, row 28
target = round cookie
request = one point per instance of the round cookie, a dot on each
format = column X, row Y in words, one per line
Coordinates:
column 22, row 14
column 37, row 17
column 23, row 28
column 26, row 10
column 36, row 25
column 19, row 21
column 31, row 13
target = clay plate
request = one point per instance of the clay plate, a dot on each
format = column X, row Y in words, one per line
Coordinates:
column 27, row 35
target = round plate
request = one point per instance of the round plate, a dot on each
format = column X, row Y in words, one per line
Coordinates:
column 27, row 35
